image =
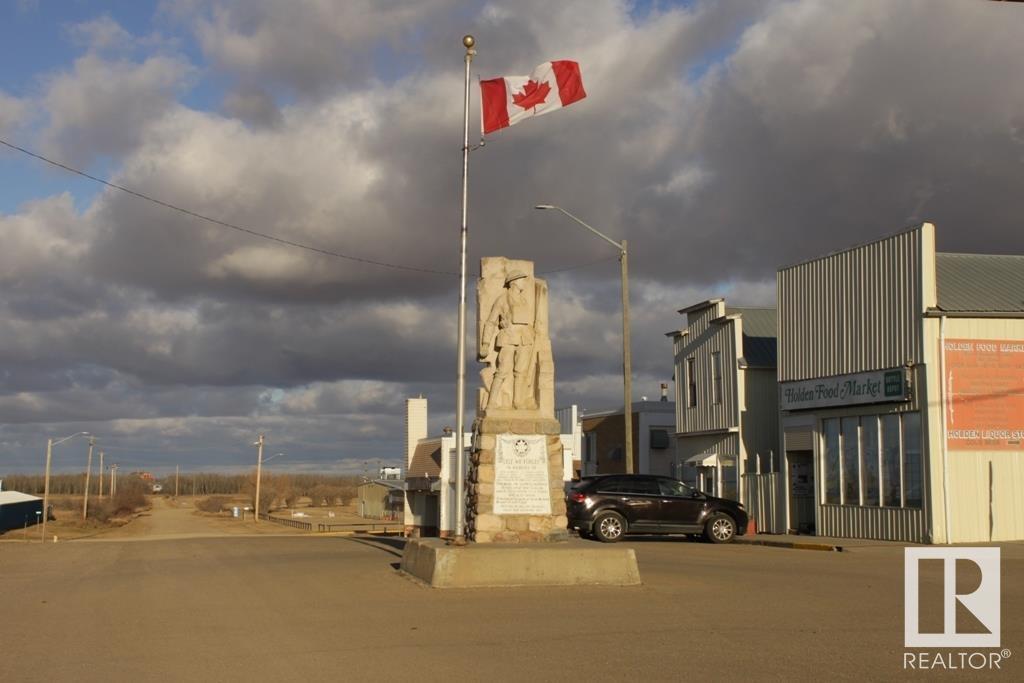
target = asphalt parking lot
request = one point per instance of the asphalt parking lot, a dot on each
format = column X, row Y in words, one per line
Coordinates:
column 289, row 607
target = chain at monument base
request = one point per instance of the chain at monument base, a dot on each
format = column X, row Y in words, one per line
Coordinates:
column 515, row 492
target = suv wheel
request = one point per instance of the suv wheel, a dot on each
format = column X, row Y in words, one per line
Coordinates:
column 609, row 527
column 720, row 528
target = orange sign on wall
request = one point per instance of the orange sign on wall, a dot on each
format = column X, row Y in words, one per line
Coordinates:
column 984, row 394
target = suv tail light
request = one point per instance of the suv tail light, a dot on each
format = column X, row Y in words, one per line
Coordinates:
column 577, row 497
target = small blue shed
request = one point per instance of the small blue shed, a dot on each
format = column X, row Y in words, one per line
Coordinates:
column 19, row 509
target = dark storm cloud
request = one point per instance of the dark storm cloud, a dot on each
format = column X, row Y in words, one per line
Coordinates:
column 722, row 140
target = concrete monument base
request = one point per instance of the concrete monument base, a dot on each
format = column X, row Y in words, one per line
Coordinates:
column 478, row 565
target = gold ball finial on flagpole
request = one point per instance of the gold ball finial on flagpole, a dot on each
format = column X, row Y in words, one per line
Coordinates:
column 468, row 40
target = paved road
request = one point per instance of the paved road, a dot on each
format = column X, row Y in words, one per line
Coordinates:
column 293, row 608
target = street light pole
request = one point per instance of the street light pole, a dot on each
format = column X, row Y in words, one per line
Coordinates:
column 88, row 473
column 627, row 365
column 50, row 443
column 259, row 473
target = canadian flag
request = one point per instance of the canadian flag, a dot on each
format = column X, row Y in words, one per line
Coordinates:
column 510, row 99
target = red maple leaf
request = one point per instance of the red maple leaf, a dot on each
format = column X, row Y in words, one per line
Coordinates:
column 532, row 95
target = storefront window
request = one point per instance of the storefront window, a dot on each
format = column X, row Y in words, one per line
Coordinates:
column 830, row 428
column 879, row 457
column 891, row 461
column 869, row 458
column 851, row 462
column 912, row 460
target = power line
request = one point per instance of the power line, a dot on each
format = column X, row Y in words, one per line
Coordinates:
column 249, row 231
column 216, row 221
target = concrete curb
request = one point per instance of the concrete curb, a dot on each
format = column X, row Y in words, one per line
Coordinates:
column 795, row 545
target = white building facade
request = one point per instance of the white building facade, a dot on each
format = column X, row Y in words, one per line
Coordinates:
column 901, row 393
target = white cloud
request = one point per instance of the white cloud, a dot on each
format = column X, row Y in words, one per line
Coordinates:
column 102, row 33
column 13, row 112
column 102, row 107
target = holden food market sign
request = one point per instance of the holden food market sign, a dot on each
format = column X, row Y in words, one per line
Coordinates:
column 882, row 386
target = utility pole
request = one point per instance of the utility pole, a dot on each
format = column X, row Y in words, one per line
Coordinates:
column 113, row 480
column 88, row 472
column 176, row 481
column 259, row 472
column 46, row 489
column 50, row 443
column 627, row 369
column 100, row 495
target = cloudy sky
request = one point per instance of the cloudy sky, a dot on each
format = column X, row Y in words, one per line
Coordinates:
column 722, row 139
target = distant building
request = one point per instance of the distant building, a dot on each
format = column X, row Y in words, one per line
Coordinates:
column 429, row 477
column 379, row 499
column 18, row 510
column 390, row 473
column 726, row 417
column 603, row 439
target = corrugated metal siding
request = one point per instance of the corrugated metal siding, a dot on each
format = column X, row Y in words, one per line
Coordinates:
column 760, row 420
column 759, row 496
column 890, row 524
column 689, row 446
column 854, row 311
column 980, row 282
column 708, row 415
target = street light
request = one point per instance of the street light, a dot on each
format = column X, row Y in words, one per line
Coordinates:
column 88, row 473
column 259, row 477
column 259, row 472
column 50, row 443
column 627, row 372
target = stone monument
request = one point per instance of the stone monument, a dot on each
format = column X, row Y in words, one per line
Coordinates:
column 515, row 490
column 514, row 495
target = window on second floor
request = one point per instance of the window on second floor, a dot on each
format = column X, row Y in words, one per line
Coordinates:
column 716, row 376
column 691, row 382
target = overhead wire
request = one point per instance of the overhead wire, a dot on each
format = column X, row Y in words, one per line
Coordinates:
column 249, row 231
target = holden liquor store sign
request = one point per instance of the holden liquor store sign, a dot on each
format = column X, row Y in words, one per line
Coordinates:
column 882, row 386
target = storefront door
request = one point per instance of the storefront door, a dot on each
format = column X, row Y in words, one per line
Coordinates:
column 801, row 491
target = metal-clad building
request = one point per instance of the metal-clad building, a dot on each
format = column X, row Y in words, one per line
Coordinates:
column 18, row 510
column 726, row 413
column 901, row 393
column 380, row 499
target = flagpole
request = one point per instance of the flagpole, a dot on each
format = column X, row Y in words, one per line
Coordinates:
column 460, row 397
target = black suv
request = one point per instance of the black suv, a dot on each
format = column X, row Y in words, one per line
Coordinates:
column 607, row 507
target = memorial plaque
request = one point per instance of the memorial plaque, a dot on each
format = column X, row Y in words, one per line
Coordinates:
column 521, row 485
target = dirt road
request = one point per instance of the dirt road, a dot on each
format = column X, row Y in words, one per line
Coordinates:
column 170, row 519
